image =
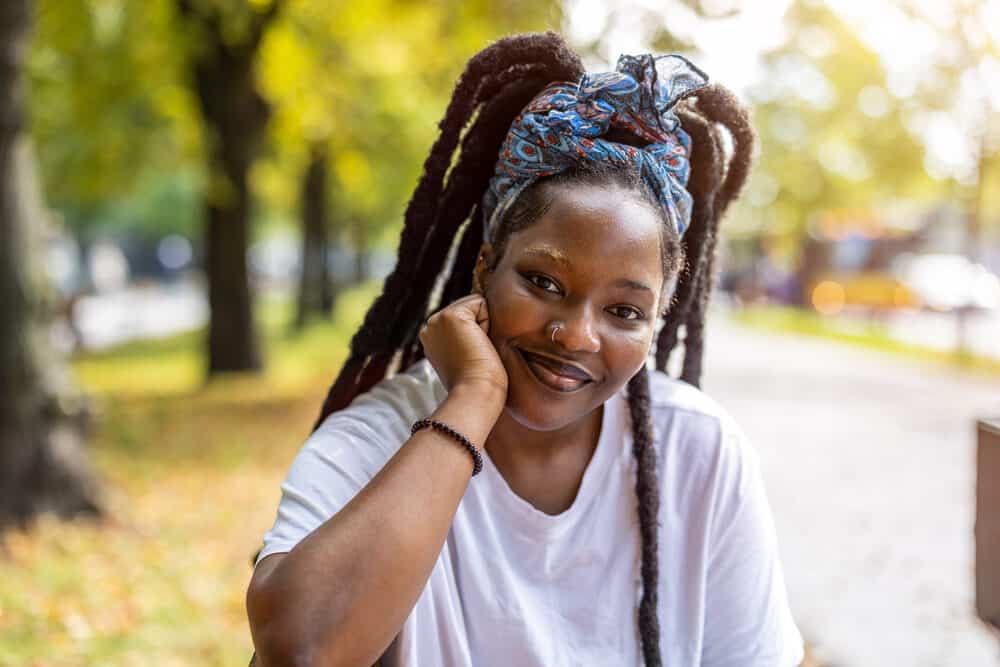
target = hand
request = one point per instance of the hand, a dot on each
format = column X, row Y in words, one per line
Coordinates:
column 456, row 343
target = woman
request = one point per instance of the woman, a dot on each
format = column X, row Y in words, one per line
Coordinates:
column 620, row 517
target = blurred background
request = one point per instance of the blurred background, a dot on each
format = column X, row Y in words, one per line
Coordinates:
column 199, row 199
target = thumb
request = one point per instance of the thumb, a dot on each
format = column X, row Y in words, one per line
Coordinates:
column 475, row 305
column 471, row 307
column 483, row 316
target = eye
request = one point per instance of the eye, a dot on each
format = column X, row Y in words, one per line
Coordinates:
column 627, row 313
column 542, row 282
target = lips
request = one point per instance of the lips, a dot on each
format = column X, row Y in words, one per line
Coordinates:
column 555, row 374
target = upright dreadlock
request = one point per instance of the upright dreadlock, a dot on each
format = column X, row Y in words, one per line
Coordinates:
column 496, row 85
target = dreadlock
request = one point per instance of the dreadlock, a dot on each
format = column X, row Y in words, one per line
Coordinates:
column 496, row 85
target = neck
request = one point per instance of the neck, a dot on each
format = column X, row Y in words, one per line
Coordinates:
column 514, row 447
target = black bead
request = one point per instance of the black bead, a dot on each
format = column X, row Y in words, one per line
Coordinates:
column 477, row 458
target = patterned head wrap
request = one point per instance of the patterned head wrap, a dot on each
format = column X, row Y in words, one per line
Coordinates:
column 561, row 127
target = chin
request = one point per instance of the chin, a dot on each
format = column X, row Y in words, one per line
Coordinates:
column 535, row 419
column 534, row 407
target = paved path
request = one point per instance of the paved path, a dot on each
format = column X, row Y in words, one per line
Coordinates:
column 870, row 467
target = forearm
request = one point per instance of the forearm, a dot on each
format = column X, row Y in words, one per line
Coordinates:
column 342, row 594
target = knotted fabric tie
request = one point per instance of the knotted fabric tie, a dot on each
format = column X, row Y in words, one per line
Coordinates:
column 563, row 125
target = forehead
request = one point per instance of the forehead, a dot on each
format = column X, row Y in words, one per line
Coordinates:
column 605, row 230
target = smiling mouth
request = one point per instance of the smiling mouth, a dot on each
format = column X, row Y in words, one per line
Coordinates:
column 553, row 375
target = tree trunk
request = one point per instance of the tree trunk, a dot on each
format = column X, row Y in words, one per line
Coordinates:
column 235, row 118
column 362, row 251
column 42, row 462
column 315, row 290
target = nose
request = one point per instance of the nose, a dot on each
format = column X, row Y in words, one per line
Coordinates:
column 579, row 332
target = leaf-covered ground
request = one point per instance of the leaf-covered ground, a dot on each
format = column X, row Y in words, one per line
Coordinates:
column 191, row 476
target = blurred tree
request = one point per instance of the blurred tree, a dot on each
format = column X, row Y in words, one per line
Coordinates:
column 956, row 93
column 831, row 134
column 42, row 465
column 224, row 38
column 116, row 129
column 315, row 287
column 364, row 85
column 668, row 26
column 958, row 89
column 142, row 107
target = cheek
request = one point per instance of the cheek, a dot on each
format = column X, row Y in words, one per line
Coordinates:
column 631, row 351
column 513, row 312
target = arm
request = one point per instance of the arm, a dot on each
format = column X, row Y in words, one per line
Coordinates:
column 343, row 592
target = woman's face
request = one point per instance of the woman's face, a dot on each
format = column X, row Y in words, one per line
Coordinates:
column 591, row 266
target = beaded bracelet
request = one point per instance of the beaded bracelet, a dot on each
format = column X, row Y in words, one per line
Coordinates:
column 444, row 428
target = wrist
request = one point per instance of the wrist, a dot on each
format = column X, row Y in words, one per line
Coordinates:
column 482, row 393
column 455, row 435
column 473, row 410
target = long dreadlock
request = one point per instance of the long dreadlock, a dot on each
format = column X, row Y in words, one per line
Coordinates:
column 497, row 83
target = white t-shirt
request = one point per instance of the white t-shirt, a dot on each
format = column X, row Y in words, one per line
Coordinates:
column 516, row 586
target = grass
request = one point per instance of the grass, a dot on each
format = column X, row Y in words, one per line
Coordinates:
column 191, row 474
column 870, row 335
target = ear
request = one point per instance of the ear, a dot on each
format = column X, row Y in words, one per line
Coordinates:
column 481, row 274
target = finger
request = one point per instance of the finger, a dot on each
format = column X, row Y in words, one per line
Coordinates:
column 467, row 299
column 483, row 317
column 467, row 307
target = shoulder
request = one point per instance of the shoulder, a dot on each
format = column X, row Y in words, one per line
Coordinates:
column 694, row 432
column 348, row 450
column 387, row 410
column 708, row 465
column 671, row 394
column 417, row 385
column 675, row 400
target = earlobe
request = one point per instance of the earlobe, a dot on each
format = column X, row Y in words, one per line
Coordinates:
column 477, row 275
column 480, row 275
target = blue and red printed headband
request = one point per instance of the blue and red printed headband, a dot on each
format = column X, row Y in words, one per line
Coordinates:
column 561, row 127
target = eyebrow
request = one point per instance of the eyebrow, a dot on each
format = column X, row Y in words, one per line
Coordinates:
column 560, row 258
column 551, row 254
column 633, row 285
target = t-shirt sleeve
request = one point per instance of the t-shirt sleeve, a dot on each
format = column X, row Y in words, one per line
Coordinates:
column 748, row 622
column 346, row 451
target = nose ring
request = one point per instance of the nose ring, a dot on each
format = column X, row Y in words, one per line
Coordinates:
column 555, row 328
